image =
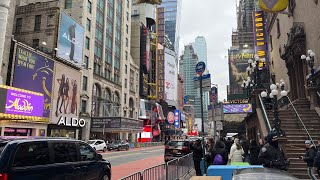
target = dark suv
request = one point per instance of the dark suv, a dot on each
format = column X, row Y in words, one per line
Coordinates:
column 176, row 149
column 52, row 159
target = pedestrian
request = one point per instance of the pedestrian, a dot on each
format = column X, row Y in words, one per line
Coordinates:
column 316, row 163
column 228, row 144
column 254, row 152
column 309, row 158
column 219, row 154
column 245, row 147
column 236, row 152
column 272, row 155
column 197, row 156
column 209, row 150
column 261, row 143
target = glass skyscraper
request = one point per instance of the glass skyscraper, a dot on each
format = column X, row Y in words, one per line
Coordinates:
column 172, row 16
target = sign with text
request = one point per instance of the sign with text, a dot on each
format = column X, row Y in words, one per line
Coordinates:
column 260, row 37
column 21, row 102
column 237, row 108
column 177, row 118
column 34, row 72
column 273, row 5
column 116, row 122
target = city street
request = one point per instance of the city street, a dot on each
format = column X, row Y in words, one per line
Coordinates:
column 127, row 162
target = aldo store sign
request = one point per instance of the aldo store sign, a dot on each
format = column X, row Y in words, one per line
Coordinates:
column 73, row 122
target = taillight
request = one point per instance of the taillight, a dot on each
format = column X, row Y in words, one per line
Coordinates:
column 3, row 176
column 185, row 149
column 166, row 147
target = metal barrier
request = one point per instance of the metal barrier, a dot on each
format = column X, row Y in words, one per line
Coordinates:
column 135, row 176
column 155, row 173
column 172, row 170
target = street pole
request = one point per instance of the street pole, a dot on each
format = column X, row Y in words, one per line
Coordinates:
column 202, row 126
column 214, row 123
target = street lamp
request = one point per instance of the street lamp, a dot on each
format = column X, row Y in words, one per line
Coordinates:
column 275, row 88
column 310, row 61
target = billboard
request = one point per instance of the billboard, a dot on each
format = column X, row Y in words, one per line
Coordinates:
column 20, row 102
column 170, row 75
column 144, row 61
column 66, row 94
column 213, row 95
column 238, row 63
column 177, row 118
column 237, row 108
column 70, row 40
column 260, row 37
column 273, row 5
column 34, row 72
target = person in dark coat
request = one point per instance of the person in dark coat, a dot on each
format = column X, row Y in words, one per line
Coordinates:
column 254, row 150
column 197, row 156
column 220, row 148
column 316, row 163
column 309, row 158
column 272, row 154
column 228, row 144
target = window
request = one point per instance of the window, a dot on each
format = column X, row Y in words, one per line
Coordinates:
column 89, row 7
column 37, row 23
column 125, row 98
column 278, row 28
column 31, row 154
column 126, row 69
column 35, row 43
column 85, row 83
column 83, row 106
column 18, row 25
column 68, row 4
column 100, row 4
column 127, row 16
column 271, row 45
column 88, row 24
column 86, row 62
column 109, row 43
column 126, row 55
column 99, row 19
column 110, row 13
column 108, row 74
column 127, row 29
column 125, row 83
column 86, row 152
column 108, row 57
column 99, row 35
column 87, row 44
column 96, row 69
column 127, row 42
column 128, row 4
column 65, row 152
column 109, row 28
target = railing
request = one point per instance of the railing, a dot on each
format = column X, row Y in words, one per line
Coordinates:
column 265, row 114
column 172, row 170
column 318, row 98
column 301, row 121
column 283, row 101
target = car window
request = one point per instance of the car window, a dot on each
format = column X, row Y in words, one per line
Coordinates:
column 64, row 152
column 2, row 145
column 178, row 143
column 91, row 142
column 99, row 142
column 31, row 154
column 87, row 153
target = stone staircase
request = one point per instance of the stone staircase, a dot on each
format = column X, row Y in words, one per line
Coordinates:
column 296, row 134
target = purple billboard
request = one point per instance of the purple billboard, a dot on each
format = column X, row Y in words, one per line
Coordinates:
column 237, row 108
column 34, row 72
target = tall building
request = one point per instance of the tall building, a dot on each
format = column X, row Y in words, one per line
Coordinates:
column 108, row 71
column 172, row 21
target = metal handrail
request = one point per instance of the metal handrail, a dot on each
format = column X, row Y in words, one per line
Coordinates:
column 265, row 113
column 305, row 128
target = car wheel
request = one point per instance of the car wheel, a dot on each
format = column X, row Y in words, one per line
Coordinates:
column 119, row 149
column 105, row 177
column 127, row 148
column 104, row 149
column 109, row 149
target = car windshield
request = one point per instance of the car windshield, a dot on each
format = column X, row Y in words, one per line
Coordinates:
column 2, row 145
column 91, row 142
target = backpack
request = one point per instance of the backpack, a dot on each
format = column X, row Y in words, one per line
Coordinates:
column 218, row 160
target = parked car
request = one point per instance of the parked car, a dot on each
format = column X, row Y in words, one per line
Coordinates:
column 98, row 145
column 118, row 145
column 51, row 158
column 176, row 149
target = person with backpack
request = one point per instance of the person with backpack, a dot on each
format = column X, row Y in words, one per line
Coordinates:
column 219, row 154
column 236, row 152
column 316, row 163
column 309, row 157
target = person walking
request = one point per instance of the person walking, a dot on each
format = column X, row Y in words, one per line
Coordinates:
column 236, row 152
column 272, row 155
column 309, row 158
column 316, row 163
column 197, row 156
column 254, row 150
column 219, row 154
column 209, row 150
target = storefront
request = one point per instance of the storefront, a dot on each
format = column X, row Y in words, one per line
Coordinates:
column 67, row 127
column 21, row 112
column 115, row 128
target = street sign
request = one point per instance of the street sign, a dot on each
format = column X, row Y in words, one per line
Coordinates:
column 206, row 76
column 200, row 67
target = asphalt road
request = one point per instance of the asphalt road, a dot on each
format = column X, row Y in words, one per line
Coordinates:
column 123, row 157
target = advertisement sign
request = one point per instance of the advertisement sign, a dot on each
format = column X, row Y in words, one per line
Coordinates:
column 238, row 63
column 213, row 95
column 170, row 117
column 237, row 108
column 177, row 118
column 66, row 95
column 21, row 102
column 70, row 40
column 260, row 37
column 171, row 75
column 183, row 116
column 34, row 72
column 273, row 5
column 161, row 75
column 144, row 61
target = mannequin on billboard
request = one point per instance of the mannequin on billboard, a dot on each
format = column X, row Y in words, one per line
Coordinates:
column 72, row 34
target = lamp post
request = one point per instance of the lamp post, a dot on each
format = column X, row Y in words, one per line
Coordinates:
column 274, row 96
column 310, row 61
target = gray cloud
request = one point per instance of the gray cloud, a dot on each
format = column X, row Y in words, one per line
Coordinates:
column 213, row 19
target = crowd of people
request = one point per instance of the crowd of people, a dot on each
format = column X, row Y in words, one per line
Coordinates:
column 267, row 152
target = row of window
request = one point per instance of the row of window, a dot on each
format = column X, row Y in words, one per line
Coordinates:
column 37, row 24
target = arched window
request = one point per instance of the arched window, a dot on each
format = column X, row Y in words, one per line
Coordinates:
column 116, row 104
column 96, row 96
column 107, row 104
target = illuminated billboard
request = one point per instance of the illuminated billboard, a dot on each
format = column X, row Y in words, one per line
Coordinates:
column 237, row 108
column 260, row 37
column 170, row 75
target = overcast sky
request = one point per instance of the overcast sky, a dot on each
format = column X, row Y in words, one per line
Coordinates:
column 213, row 19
